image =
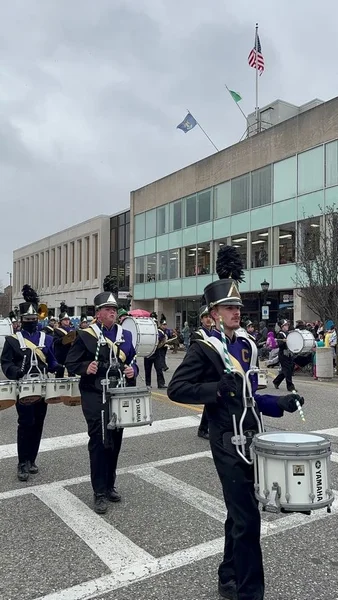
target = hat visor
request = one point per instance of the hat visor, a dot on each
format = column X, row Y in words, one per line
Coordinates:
column 227, row 302
column 106, row 304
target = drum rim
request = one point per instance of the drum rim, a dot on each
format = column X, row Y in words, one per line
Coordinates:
column 258, row 436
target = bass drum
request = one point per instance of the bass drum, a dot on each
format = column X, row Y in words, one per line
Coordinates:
column 300, row 341
column 144, row 333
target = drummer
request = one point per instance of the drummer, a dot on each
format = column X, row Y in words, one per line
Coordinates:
column 90, row 360
column 285, row 358
column 15, row 363
column 201, row 378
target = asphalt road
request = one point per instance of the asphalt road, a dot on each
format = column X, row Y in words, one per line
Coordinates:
column 164, row 540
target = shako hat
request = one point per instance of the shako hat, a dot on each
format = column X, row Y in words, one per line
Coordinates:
column 123, row 312
column 63, row 312
column 31, row 304
column 83, row 319
column 204, row 311
column 105, row 299
column 229, row 269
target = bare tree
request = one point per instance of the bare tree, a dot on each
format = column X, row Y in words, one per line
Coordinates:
column 317, row 268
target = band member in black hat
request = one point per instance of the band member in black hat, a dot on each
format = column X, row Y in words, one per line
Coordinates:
column 89, row 358
column 14, row 321
column 18, row 351
column 285, row 357
column 202, row 378
column 49, row 328
column 83, row 322
column 203, row 333
column 64, row 336
column 156, row 359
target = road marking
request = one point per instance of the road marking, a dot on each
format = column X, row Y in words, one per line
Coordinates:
column 189, row 494
column 333, row 432
column 84, row 478
column 81, row 439
column 112, row 547
column 140, row 572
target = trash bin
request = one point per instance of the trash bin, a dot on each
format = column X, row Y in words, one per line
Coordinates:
column 324, row 363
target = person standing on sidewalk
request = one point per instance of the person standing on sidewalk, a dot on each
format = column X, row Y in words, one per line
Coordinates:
column 285, row 358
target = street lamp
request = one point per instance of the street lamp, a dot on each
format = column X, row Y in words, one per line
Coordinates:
column 10, row 290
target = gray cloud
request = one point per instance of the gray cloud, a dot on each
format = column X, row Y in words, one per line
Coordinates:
column 91, row 94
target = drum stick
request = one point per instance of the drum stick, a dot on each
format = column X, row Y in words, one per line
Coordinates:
column 228, row 364
column 300, row 410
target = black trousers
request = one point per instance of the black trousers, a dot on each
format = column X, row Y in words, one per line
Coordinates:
column 287, row 368
column 163, row 354
column 103, row 461
column 155, row 360
column 60, row 372
column 204, row 425
column 30, row 425
column 242, row 559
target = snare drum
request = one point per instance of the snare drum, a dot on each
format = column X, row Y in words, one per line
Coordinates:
column 31, row 390
column 300, row 341
column 8, row 394
column 74, row 398
column 56, row 389
column 129, row 407
column 292, row 471
column 144, row 334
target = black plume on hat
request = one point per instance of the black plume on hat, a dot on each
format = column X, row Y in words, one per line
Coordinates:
column 12, row 315
column 229, row 264
column 63, row 307
column 29, row 295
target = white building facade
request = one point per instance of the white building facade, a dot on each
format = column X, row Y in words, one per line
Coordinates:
column 68, row 266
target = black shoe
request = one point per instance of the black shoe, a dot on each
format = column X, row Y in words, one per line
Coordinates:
column 165, row 369
column 203, row 434
column 292, row 389
column 275, row 385
column 100, row 504
column 23, row 472
column 113, row 495
column 33, row 468
column 227, row 590
column 162, row 387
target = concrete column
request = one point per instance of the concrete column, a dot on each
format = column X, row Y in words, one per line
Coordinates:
column 324, row 363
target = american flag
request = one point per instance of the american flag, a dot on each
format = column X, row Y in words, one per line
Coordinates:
column 257, row 49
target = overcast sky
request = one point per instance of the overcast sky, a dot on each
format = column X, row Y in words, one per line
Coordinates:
column 91, row 94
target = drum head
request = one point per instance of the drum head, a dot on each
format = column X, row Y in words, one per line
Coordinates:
column 281, row 437
column 129, row 324
column 295, row 341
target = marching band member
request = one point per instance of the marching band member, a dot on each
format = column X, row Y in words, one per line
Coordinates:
column 49, row 328
column 16, row 362
column 202, row 378
column 83, row 322
column 89, row 358
column 202, row 333
column 156, row 359
column 14, row 320
column 285, row 358
column 64, row 335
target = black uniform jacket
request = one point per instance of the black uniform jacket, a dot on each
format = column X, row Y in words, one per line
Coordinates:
column 15, row 362
column 82, row 352
column 196, row 379
column 61, row 350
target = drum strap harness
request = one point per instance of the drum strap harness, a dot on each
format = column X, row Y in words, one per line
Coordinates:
column 95, row 331
column 24, row 344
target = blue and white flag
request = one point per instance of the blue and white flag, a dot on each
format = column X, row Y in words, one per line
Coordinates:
column 188, row 123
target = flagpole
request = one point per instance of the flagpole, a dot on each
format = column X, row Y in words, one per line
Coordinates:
column 238, row 106
column 205, row 133
column 257, row 107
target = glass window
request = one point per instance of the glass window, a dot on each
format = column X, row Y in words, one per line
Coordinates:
column 140, row 227
column 260, row 244
column 163, row 265
column 113, row 240
column 151, row 267
column 204, row 206
column 162, row 225
column 308, row 239
column 121, row 256
column 176, row 221
column 174, row 264
column 240, row 194
column 222, row 200
column 241, row 243
column 122, row 237
column 122, row 219
column 311, row 170
column 287, row 244
column 127, row 277
column 261, row 186
column 127, row 255
column 113, row 222
column 331, row 163
column 190, row 261
column 128, row 216
column 127, row 238
column 203, row 259
column 150, row 223
column 285, row 179
column 190, row 208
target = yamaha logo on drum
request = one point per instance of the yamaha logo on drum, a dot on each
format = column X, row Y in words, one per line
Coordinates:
column 319, row 480
column 138, row 410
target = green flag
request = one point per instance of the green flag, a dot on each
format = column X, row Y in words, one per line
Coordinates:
column 235, row 96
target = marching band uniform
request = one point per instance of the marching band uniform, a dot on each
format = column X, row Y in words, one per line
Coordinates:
column 203, row 333
column 156, row 359
column 49, row 328
column 83, row 352
column 201, row 378
column 61, row 348
column 285, row 359
column 15, row 363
